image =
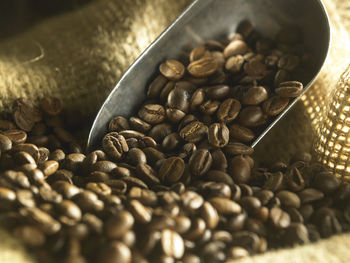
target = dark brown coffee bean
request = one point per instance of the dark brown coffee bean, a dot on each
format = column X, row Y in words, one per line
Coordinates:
column 217, row 92
column 209, row 107
column 156, row 87
column 88, row 201
column 236, row 148
column 250, row 204
column 136, row 156
column 239, row 169
column 147, row 174
column 212, row 189
column 160, row 131
column 172, row 69
column 200, row 162
column 218, row 135
column 194, row 132
column 74, row 161
column 296, row 233
column 327, row 222
column 326, row 182
column 152, row 113
column 289, row 89
column 310, row 195
column 103, row 166
column 118, row 187
column 118, row 124
column 119, row 224
column 30, row 235
column 288, row 62
column 171, row 142
column 153, row 155
column 275, row 105
column 279, row 218
column 203, row 67
column 288, row 199
column 7, row 125
column 172, row 170
column 219, row 177
column 66, row 189
column 225, row 206
column 247, row 240
column 51, row 106
column 139, row 125
column 145, row 196
column 115, row 251
column 25, row 114
column 228, row 110
column 264, row 196
column 16, row 136
column 219, row 160
column 174, row 115
column 99, row 188
column 23, row 158
column 57, row 155
column 178, row 98
column 274, row 182
column 197, row 99
column 29, row 148
column 236, row 47
column 251, row 116
column 254, row 95
column 197, row 230
column 114, row 145
column 295, row 180
column 241, row 133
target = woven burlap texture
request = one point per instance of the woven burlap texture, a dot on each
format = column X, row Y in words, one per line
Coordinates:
column 80, row 55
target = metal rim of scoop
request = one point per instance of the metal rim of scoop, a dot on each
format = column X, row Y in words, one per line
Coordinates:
column 91, row 143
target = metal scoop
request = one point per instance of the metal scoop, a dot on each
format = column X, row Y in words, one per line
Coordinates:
column 212, row 19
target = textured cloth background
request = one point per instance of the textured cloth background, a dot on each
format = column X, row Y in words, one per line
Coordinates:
column 80, row 54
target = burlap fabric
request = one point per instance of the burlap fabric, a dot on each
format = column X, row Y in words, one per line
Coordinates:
column 80, row 54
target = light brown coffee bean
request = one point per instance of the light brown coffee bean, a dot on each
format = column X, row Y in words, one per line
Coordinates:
column 289, row 89
column 141, row 213
column 114, row 145
column 210, row 215
column 152, row 113
column 236, row 47
column 49, row 167
column 203, row 67
column 16, row 136
column 198, row 53
column 115, row 251
column 234, row 64
column 279, row 218
column 172, row 69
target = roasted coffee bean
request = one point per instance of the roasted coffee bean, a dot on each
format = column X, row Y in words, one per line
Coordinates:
column 288, row 199
column 136, row 156
column 310, row 195
column 172, row 170
column 191, row 200
column 197, row 230
column 210, row 215
column 247, row 240
column 114, row 145
column 88, row 201
column 160, row 131
column 236, row 252
column 118, row 124
column 197, row 99
column 194, row 132
column 147, row 174
column 296, row 233
column 218, row 135
column 295, row 180
column 234, row 64
column 219, row 177
column 264, row 196
column 172, row 243
column 178, row 98
column 5, row 143
column 239, row 169
column 225, row 206
column 7, row 198
column 200, row 162
column 236, row 47
column 115, row 251
column 7, row 125
column 66, row 189
column 228, row 110
column 15, row 179
column 236, row 148
column 51, row 106
column 212, row 189
column 289, row 89
column 23, row 158
column 156, row 87
column 57, row 155
column 217, row 92
column 171, row 142
column 119, row 224
column 203, row 67
column 198, row 53
column 172, row 69
column 279, row 218
column 274, row 182
column 139, row 125
column 219, row 160
column 251, row 204
column 152, row 113
column 275, row 105
column 145, row 196
column 326, row 182
column 251, row 116
column 254, row 95
column 25, row 114
column 141, row 213
column 241, row 133
column 29, row 148
column 327, row 222
column 16, row 136
column 174, row 115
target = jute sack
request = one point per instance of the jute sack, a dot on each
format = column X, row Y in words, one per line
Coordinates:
column 80, row 55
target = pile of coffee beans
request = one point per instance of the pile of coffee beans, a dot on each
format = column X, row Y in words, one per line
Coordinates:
column 174, row 183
